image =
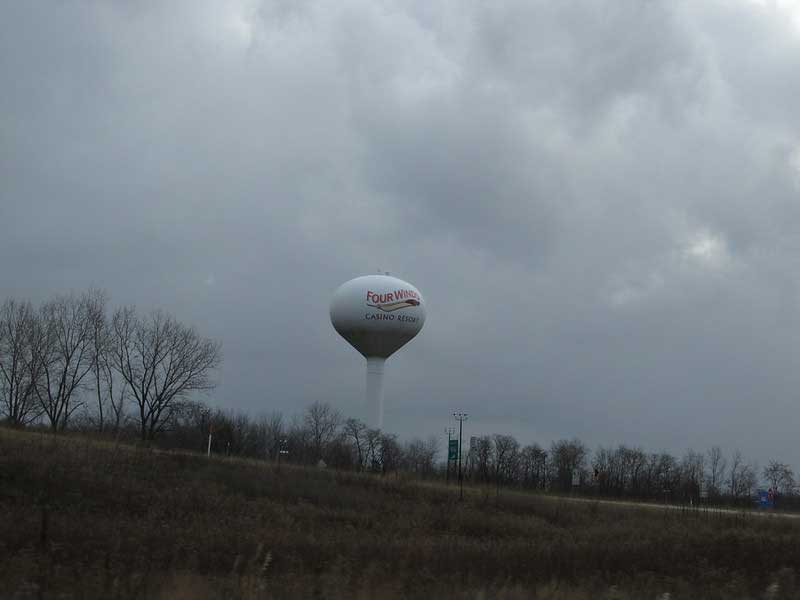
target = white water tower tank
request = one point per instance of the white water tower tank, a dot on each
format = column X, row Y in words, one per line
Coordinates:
column 377, row 315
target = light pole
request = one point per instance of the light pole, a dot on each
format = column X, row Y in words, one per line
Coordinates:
column 449, row 431
column 460, row 417
column 281, row 450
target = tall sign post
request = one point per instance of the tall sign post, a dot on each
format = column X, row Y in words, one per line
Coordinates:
column 460, row 417
column 452, row 450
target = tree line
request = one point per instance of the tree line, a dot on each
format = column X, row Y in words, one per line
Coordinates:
column 71, row 363
column 70, row 355
column 322, row 435
column 625, row 471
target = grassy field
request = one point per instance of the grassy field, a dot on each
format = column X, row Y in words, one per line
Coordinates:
column 84, row 519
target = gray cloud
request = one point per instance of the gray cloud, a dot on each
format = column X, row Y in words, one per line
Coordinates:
column 598, row 200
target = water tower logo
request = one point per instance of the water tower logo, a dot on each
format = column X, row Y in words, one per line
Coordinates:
column 366, row 311
column 392, row 301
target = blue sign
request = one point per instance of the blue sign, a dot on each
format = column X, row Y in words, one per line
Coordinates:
column 765, row 499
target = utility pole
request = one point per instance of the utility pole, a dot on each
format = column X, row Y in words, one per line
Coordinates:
column 282, row 449
column 449, row 431
column 460, row 417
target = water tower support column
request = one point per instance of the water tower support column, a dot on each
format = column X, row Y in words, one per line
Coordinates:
column 375, row 391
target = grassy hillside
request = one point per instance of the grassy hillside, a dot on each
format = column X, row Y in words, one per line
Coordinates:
column 85, row 519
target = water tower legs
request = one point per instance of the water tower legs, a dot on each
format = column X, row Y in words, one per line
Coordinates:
column 375, row 392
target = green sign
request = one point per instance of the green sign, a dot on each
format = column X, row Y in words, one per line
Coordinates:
column 452, row 450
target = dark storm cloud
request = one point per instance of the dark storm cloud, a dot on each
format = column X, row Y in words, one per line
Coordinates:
column 599, row 200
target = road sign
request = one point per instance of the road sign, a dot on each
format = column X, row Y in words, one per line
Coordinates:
column 452, row 450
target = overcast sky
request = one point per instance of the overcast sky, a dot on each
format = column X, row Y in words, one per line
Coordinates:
column 599, row 200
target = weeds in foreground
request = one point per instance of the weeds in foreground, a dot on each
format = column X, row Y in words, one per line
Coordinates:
column 95, row 520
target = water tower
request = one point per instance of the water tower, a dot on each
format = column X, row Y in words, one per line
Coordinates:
column 377, row 315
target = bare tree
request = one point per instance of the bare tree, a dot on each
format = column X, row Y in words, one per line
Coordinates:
column 355, row 431
column 567, row 457
column 635, row 461
column 780, row 476
column 19, row 366
column 741, row 476
column 62, row 344
column 113, row 396
column 716, row 469
column 506, row 455
column 271, row 430
column 480, row 458
column 693, row 472
column 162, row 361
column 420, row 455
column 736, row 468
column 235, row 435
column 532, row 465
column 432, row 447
column 527, row 461
column 664, row 473
column 298, row 439
column 390, row 453
column 112, row 391
column 747, row 480
column 372, row 440
column 322, row 421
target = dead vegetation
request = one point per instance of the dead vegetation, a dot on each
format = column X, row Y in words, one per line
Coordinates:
column 84, row 519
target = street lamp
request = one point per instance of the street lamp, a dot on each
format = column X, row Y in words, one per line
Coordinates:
column 282, row 449
column 460, row 417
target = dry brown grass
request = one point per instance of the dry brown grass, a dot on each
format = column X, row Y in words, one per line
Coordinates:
column 93, row 520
